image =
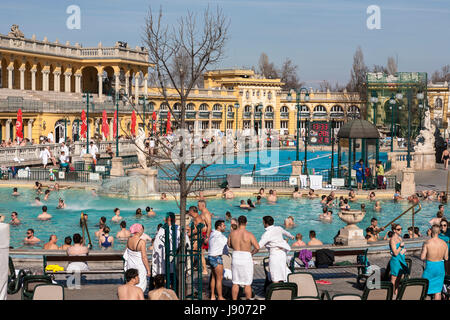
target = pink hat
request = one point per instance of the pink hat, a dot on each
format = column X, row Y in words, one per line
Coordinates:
column 137, row 227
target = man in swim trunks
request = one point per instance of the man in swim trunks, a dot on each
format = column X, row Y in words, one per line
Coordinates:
column 129, row 290
column 242, row 241
column 197, row 218
column 51, row 244
column 434, row 252
column 217, row 247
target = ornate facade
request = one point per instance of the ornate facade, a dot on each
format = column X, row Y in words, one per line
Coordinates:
column 47, row 80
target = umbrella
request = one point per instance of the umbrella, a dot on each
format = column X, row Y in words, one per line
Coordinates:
column 115, row 124
column 169, row 124
column 133, row 124
column 154, row 121
column 19, row 124
column 105, row 126
column 83, row 124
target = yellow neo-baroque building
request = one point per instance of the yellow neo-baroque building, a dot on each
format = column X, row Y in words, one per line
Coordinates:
column 47, row 80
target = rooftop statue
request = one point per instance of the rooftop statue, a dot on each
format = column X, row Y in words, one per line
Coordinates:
column 15, row 32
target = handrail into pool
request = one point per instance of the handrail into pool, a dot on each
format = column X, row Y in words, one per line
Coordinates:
column 404, row 212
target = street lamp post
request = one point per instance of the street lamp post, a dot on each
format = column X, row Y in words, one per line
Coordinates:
column 420, row 97
column 86, row 97
column 374, row 100
column 142, row 101
column 393, row 101
column 298, row 96
column 408, row 159
column 236, row 107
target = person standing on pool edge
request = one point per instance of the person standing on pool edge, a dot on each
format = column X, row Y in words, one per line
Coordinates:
column 360, row 169
column 397, row 263
column 206, row 217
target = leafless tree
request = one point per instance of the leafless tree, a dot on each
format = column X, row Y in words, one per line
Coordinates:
column 180, row 54
column 392, row 67
column 357, row 81
column 266, row 68
column 379, row 68
column 289, row 75
column 441, row 75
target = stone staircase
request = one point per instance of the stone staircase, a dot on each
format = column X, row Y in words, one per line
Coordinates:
column 44, row 96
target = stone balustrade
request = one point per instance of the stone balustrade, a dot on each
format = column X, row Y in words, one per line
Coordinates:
column 67, row 50
column 419, row 160
column 29, row 155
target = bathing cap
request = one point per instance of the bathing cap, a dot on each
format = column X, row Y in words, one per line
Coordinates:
column 135, row 228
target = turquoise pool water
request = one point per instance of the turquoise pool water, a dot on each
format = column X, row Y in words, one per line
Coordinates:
column 65, row 222
column 279, row 162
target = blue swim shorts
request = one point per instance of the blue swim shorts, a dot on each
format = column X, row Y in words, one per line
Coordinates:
column 215, row 261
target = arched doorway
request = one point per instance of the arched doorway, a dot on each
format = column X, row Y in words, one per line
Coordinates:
column 60, row 131
column 89, row 80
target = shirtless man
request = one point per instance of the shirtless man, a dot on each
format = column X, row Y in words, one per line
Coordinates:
column 375, row 227
column 160, row 292
column 437, row 219
column 31, row 239
column 352, row 196
column 46, row 194
column 205, row 219
column 129, row 290
column 242, row 241
column 61, row 204
column 116, row 217
column 296, row 193
column 272, row 197
column 37, row 202
column 345, row 206
column 311, row 194
column 44, row 215
column 67, row 243
column 163, row 196
column 313, row 240
column 434, row 252
column 14, row 219
column 15, row 193
column 123, row 233
column 299, row 242
column 377, row 206
column 51, row 244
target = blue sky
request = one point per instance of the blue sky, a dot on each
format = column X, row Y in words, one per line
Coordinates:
column 320, row 36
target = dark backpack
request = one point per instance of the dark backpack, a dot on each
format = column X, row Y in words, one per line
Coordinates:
column 324, row 258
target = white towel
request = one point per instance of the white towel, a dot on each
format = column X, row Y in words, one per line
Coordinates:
column 315, row 182
column 277, row 265
column 242, row 268
column 133, row 260
column 303, row 181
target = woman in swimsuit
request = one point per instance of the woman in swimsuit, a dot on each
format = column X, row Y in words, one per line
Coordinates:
column 397, row 263
column 106, row 241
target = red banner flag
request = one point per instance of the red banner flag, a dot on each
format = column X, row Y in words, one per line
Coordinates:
column 83, row 124
column 154, row 122
column 169, row 124
column 115, row 124
column 133, row 124
column 105, row 126
column 19, row 124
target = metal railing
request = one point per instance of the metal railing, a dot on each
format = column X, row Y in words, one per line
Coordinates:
column 54, row 175
column 412, row 209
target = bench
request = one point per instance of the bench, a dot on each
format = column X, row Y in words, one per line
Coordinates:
column 54, row 259
column 337, row 253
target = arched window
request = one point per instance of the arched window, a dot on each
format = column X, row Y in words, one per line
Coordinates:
column 438, row 103
column 353, row 112
column 177, row 106
column 269, row 109
column 190, row 107
column 151, row 106
column 164, row 106
column 304, row 109
column 204, row 107
column 284, row 109
column 320, row 109
column 230, row 108
column 248, row 108
column 217, row 107
column 337, row 111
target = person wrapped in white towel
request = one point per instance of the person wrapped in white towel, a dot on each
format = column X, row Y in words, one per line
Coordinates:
column 242, row 241
column 273, row 240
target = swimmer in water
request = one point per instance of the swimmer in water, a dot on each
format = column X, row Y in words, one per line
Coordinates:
column 138, row 212
column 150, row 212
column 371, row 196
column 326, row 214
column 296, row 193
column 289, row 222
column 15, row 193
column 258, row 199
column 14, row 219
column 250, row 203
column 244, row 205
column 44, row 215
column 272, row 196
column 94, row 194
column 47, row 194
column 311, row 194
column 37, row 202
column 377, row 206
column 163, row 196
column 324, row 200
column 352, row 196
column 299, row 242
column 228, row 216
column 116, row 217
column 262, row 193
column 61, row 204
column 345, row 206
column 31, row 239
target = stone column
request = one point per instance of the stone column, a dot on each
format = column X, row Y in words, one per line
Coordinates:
column 22, row 78
column 136, row 88
column 408, row 182
column 78, row 83
column 100, row 87
column 45, row 80
column 33, row 79
column 10, row 76
column 146, row 85
column 8, row 129
column 30, row 128
column 56, row 81
column 67, row 81
column 117, row 82
column 127, row 84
